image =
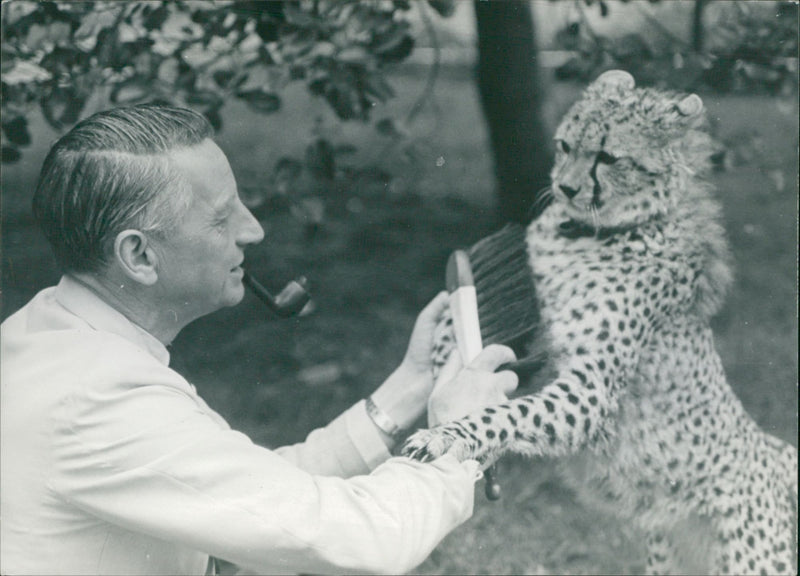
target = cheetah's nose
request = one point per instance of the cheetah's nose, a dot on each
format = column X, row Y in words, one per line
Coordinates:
column 568, row 191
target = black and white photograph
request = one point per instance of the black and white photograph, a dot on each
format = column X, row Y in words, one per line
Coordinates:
column 431, row 287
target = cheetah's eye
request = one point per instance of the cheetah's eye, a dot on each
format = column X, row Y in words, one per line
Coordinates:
column 606, row 158
column 563, row 146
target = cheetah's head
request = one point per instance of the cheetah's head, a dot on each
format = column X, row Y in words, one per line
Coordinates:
column 626, row 155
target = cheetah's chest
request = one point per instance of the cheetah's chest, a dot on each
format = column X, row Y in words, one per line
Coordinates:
column 578, row 281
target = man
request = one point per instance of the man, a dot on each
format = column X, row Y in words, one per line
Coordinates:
column 111, row 462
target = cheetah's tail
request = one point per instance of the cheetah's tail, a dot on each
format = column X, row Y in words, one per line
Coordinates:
column 788, row 457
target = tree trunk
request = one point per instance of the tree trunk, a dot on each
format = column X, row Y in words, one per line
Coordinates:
column 697, row 26
column 511, row 96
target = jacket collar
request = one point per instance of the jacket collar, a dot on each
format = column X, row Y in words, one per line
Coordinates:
column 87, row 305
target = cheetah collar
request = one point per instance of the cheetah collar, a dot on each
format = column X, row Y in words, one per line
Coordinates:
column 573, row 229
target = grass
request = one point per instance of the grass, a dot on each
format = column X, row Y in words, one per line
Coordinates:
column 377, row 261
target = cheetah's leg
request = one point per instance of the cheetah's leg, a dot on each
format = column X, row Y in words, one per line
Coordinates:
column 569, row 413
column 566, row 415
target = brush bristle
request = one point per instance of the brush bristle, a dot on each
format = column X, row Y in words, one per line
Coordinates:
column 507, row 305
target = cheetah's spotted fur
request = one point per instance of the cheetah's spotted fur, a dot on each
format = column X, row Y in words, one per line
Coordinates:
column 640, row 408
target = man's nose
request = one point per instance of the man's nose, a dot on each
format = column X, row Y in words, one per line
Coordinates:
column 251, row 231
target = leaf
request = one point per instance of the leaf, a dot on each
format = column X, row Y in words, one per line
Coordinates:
column 43, row 37
column 353, row 55
column 24, row 72
column 130, row 91
column 322, row 50
column 155, row 19
column 287, row 171
column 214, row 118
column 261, row 101
column 297, row 16
column 204, row 98
column 187, row 77
column 223, row 77
column 375, row 85
column 16, row 130
column 386, row 127
column 320, row 159
column 310, row 211
column 10, row 154
column 267, row 29
column 13, row 12
column 143, row 63
column 389, row 41
column 319, row 83
column 445, row 8
column 106, row 46
column 399, row 51
column 62, row 106
column 345, row 149
column 92, row 25
column 169, row 70
column 344, row 100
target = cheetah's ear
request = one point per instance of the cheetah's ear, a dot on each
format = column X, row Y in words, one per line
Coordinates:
column 616, row 78
column 691, row 105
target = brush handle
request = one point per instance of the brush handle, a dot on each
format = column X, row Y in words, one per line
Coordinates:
column 464, row 306
column 491, row 486
column 466, row 325
column 524, row 366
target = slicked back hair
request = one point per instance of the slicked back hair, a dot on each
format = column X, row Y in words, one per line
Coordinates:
column 111, row 173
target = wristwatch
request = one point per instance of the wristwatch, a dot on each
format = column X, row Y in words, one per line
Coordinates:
column 381, row 419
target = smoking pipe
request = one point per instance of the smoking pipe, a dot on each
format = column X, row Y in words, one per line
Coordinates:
column 289, row 302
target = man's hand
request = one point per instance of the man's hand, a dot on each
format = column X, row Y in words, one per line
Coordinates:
column 404, row 395
column 473, row 387
column 419, row 354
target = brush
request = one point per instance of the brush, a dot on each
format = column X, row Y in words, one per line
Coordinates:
column 508, row 311
column 493, row 300
column 504, row 285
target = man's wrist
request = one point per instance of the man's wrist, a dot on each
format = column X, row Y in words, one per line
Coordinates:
column 403, row 396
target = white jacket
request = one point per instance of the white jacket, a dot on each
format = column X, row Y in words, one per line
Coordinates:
column 112, row 464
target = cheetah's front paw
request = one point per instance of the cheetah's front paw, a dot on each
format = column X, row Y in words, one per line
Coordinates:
column 427, row 445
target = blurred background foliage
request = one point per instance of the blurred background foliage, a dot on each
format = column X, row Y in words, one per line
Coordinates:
column 730, row 46
column 58, row 55
column 64, row 58
column 67, row 59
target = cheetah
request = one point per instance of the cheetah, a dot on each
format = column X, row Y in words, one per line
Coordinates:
column 630, row 262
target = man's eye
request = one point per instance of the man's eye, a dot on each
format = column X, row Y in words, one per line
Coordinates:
column 606, row 158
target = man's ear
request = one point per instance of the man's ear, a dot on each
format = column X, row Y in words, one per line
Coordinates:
column 136, row 257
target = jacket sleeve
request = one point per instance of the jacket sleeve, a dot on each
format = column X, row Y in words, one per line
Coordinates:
column 149, row 458
column 347, row 446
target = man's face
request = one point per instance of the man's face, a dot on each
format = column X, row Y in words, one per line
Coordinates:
column 199, row 262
